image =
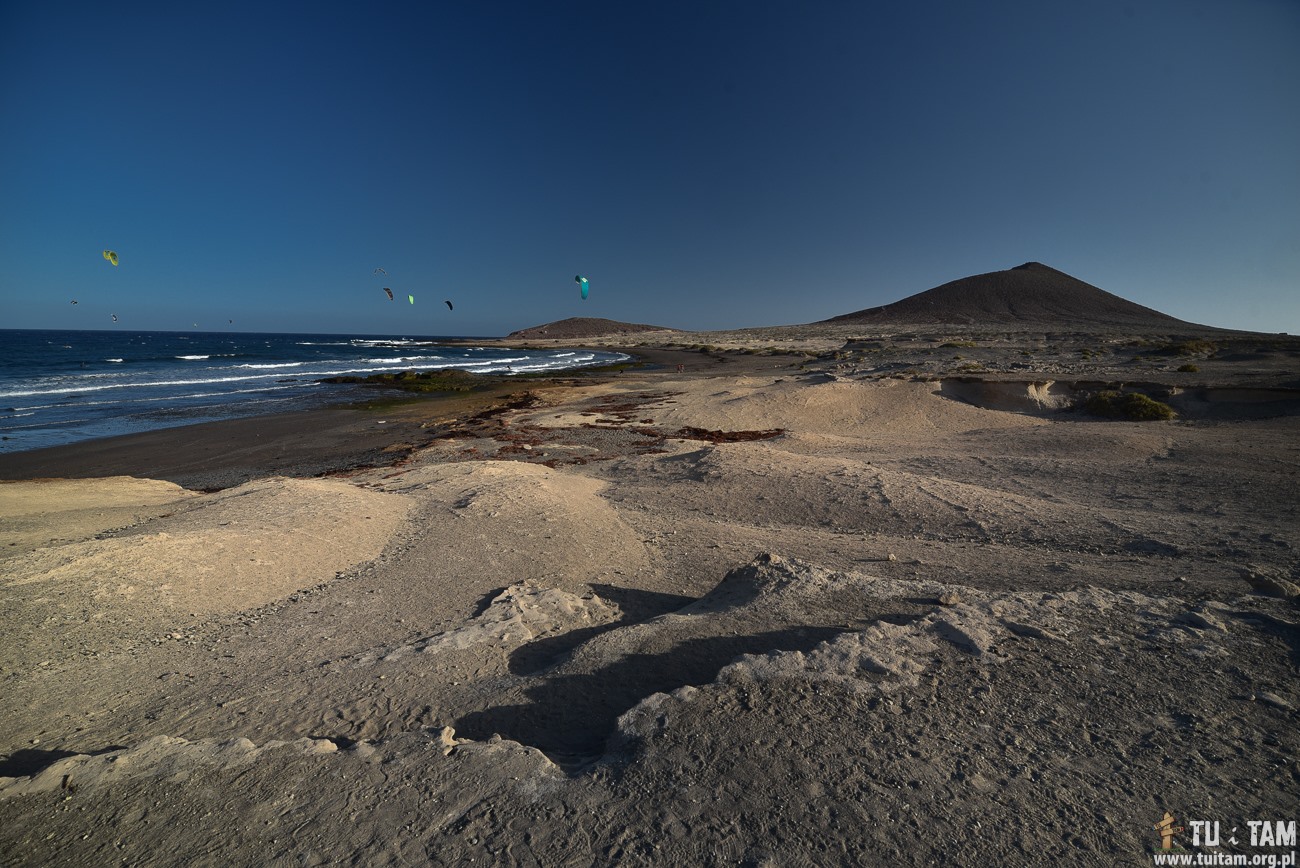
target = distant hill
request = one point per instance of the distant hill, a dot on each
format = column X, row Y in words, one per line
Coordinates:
column 584, row 327
column 1031, row 293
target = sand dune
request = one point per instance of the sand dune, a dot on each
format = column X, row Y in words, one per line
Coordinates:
column 772, row 611
column 38, row 514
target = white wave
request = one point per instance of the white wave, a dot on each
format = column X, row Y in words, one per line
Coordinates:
column 113, row 360
column 471, row 363
column 221, row 394
column 507, row 360
column 519, row 369
column 518, row 363
column 47, row 424
column 390, row 342
column 193, row 358
column 276, row 365
column 128, row 402
column 64, row 391
column 402, row 360
column 159, row 383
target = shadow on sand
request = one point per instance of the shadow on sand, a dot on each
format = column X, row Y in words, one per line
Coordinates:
column 570, row 717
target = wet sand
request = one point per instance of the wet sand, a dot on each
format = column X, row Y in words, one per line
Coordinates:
column 215, row 455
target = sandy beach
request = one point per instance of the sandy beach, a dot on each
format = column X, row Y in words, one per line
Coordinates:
column 818, row 597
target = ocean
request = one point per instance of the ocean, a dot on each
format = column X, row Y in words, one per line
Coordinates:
column 59, row 387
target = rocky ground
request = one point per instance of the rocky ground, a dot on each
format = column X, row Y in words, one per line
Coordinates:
column 804, row 602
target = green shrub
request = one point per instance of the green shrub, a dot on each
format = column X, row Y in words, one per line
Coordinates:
column 439, row 380
column 1192, row 347
column 1188, row 368
column 1133, row 406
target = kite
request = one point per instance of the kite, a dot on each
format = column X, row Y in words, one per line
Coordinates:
column 74, row 301
column 582, row 281
column 449, row 307
column 390, row 293
column 110, row 256
column 380, row 271
column 114, row 316
column 411, row 299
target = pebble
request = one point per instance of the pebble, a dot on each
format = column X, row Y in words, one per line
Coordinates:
column 447, row 738
column 1274, row 700
column 1202, row 621
column 1271, row 586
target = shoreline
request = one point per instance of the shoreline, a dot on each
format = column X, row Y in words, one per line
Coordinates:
column 73, row 387
column 208, row 456
column 353, row 435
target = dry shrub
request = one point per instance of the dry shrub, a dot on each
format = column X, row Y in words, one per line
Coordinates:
column 1133, row 406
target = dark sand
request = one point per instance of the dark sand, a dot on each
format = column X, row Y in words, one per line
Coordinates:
column 215, row 455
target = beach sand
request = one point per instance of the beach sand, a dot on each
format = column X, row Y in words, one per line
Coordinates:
column 796, row 606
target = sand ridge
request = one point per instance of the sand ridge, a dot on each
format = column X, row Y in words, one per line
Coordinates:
column 226, row 552
column 78, row 508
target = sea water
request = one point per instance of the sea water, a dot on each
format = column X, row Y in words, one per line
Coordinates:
column 60, row 387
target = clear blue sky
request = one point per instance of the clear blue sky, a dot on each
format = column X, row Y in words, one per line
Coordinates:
column 707, row 165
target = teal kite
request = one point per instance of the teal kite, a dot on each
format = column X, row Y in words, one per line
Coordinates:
column 582, row 282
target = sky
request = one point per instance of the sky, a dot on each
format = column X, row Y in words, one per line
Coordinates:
column 705, row 164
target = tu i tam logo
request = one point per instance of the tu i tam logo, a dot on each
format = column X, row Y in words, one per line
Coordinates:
column 1268, row 836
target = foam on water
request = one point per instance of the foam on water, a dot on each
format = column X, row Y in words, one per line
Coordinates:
column 61, row 387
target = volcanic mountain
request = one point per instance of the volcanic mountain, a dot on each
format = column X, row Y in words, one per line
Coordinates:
column 584, row 327
column 1028, row 294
